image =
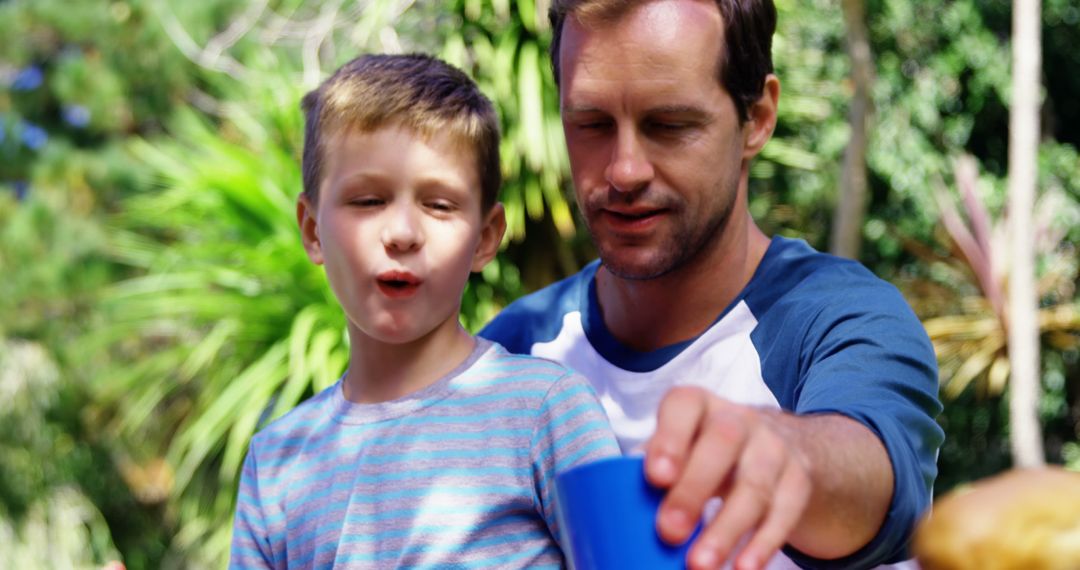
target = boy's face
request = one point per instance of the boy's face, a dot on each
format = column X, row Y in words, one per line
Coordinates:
column 398, row 226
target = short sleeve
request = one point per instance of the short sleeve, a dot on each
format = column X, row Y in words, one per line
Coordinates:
column 572, row 429
column 250, row 542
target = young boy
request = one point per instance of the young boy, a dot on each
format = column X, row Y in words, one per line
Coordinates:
column 435, row 449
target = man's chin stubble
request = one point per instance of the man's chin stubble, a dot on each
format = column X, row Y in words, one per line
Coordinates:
column 643, row 271
column 679, row 252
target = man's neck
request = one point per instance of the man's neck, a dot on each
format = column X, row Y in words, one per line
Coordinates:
column 381, row 372
column 648, row 314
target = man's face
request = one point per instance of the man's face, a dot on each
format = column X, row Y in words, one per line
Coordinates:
column 656, row 150
column 397, row 225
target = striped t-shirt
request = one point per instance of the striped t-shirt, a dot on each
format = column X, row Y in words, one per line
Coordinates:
column 458, row 474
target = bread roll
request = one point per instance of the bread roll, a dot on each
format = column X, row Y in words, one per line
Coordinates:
column 1024, row 519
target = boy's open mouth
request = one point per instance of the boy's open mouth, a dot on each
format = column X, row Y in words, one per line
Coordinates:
column 397, row 284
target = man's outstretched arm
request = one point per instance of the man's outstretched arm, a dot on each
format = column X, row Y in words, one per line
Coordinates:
column 821, row 483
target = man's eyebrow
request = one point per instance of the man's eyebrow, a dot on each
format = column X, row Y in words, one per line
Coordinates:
column 577, row 109
column 684, row 110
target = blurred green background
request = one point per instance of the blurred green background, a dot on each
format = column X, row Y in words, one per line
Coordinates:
column 156, row 307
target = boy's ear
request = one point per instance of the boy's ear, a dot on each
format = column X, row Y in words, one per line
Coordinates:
column 309, row 229
column 759, row 128
column 491, row 235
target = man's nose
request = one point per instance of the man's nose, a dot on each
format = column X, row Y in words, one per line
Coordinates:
column 402, row 231
column 629, row 169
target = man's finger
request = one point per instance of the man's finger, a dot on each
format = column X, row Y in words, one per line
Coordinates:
column 789, row 502
column 751, row 499
column 680, row 414
column 720, row 440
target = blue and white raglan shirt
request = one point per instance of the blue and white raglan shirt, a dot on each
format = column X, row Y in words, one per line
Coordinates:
column 810, row 333
column 457, row 475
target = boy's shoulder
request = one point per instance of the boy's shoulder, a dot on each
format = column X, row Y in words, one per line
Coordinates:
column 308, row 417
column 504, row 366
column 527, row 380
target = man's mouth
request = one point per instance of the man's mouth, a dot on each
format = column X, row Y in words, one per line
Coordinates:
column 631, row 220
column 631, row 216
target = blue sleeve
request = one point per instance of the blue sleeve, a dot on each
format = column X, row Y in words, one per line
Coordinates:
column 250, row 541
column 507, row 330
column 571, row 429
column 868, row 357
column 538, row 317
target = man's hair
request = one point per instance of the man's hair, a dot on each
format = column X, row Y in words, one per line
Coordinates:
column 416, row 91
column 748, row 31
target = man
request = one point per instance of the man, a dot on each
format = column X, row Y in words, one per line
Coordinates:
column 794, row 385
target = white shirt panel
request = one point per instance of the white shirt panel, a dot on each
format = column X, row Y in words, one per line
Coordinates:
column 723, row 360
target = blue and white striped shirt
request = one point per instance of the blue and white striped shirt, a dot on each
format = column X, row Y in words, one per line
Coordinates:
column 458, row 474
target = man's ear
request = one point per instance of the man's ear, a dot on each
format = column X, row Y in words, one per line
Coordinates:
column 759, row 128
column 309, row 228
column 491, row 235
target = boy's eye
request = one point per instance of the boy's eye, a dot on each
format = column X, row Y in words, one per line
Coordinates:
column 367, row 202
column 440, row 206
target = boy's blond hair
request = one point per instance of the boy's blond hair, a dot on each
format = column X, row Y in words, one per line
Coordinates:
column 416, row 91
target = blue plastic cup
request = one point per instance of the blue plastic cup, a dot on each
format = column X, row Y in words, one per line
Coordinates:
column 607, row 518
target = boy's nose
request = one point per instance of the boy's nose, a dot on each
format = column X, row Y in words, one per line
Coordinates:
column 402, row 231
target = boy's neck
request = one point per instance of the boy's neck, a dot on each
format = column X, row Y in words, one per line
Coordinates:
column 381, row 372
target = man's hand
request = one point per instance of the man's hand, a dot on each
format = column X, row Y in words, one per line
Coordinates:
column 706, row 447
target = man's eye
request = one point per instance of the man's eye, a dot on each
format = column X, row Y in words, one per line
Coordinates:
column 669, row 127
column 594, row 125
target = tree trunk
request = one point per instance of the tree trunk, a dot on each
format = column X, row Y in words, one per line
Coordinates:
column 1026, row 433
column 851, row 205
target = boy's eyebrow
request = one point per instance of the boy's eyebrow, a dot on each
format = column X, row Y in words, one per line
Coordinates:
column 426, row 183
column 361, row 176
column 438, row 184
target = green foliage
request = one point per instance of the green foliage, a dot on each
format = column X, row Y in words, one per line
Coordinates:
column 65, row 530
column 504, row 46
column 50, row 469
column 230, row 322
column 500, row 45
column 46, row 264
column 794, row 178
column 80, row 78
column 29, row 387
column 104, row 70
column 50, row 509
column 943, row 90
column 59, row 482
